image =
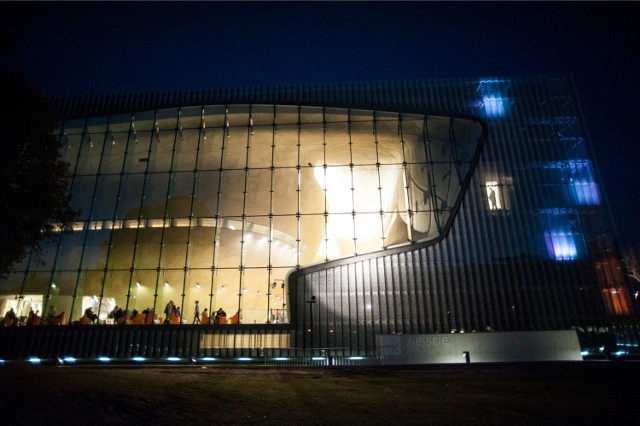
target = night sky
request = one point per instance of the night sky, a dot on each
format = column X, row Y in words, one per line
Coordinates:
column 88, row 48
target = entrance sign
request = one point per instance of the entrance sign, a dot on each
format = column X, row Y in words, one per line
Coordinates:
column 516, row 346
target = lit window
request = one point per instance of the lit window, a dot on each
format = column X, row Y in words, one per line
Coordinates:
column 494, row 106
column 561, row 245
column 561, row 230
column 493, row 196
column 584, row 189
column 494, row 103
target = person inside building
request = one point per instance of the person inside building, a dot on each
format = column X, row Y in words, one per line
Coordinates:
column 196, row 313
column 10, row 318
column 168, row 310
column 220, row 315
column 91, row 315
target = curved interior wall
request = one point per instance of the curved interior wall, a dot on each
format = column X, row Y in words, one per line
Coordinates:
column 219, row 203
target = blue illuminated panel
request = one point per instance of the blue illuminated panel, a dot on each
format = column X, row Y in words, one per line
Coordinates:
column 561, row 234
column 584, row 189
column 494, row 106
column 561, row 245
column 494, row 101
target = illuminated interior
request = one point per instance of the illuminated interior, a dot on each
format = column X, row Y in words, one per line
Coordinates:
column 494, row 103
column 493, row 195
column 560, row 228
column 219, row 203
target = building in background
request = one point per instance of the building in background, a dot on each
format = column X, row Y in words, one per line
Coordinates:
column 326, row 215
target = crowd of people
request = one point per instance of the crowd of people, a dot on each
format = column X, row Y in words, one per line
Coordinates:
column 33, row 318
column 172, row 315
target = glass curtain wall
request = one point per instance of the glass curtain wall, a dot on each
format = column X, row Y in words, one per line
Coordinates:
column 217, row 204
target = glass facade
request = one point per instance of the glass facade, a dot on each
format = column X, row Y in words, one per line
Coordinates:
column 338, row 212
column 219, row 203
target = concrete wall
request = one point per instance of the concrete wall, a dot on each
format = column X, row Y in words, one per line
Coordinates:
column 558, row 345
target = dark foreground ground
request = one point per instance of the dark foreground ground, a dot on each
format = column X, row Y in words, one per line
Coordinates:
column 604, row 393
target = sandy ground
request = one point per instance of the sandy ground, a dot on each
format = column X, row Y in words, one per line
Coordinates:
column 580, row 393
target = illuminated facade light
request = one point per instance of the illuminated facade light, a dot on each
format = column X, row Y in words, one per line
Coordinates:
column 494, row 102
column 494, row 106
column 562, row 234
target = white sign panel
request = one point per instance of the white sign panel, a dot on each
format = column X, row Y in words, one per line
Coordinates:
column 557, row 345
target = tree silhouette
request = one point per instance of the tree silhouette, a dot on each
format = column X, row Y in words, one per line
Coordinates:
column 33, row 179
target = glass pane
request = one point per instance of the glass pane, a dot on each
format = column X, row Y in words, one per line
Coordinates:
column 210, row 149
column 286, row 150
column 167, row 119
column 338, row 189
column 258, row 192
column 179, row 203
column 395, row 227
column 368, row 230
column 174, row 247
column 106, row 197
column 82, row 195
column 312, row 195
column 312, row 246
column 130, row 196
column 392, row 188
column 69, row 150
column 285, row 193
column 142, row 296
column 260, row 147
column 89, row 158
column 162, row 146
column 155, row 195
column 366, row 192
column 232, row 196
column 206, row 194
column 338, row 148
column 123, row 245
column 148, row 250
column 95, row 250
column 228, row 255
column 201, row 248
column 255, row 298
column 363, row 146
column 138, row 156
column 283, row 245
column 113, row 155
column 312, row 148
column 186, row 150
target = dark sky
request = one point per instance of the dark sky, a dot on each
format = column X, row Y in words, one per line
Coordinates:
column 80, row 48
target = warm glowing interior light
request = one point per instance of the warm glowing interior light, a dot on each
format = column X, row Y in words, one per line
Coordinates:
column 341, row 201
column 493, row 195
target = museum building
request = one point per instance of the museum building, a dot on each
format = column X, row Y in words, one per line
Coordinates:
column 320, row 217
